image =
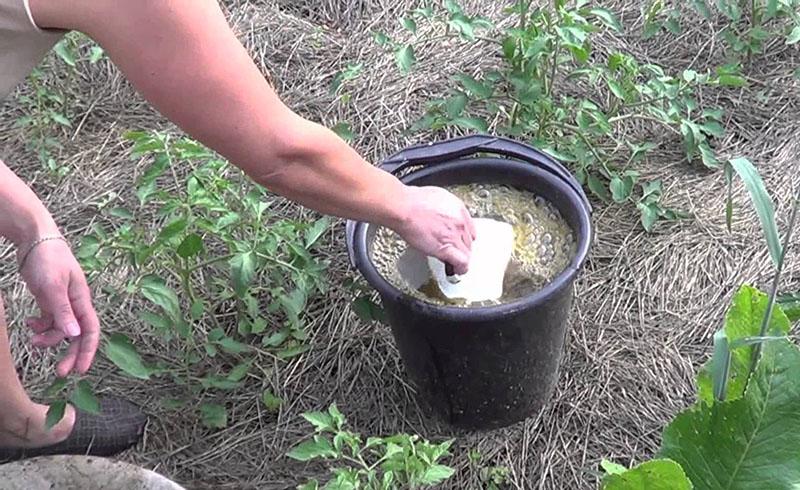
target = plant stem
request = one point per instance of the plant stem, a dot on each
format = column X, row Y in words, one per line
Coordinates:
column 774, row 291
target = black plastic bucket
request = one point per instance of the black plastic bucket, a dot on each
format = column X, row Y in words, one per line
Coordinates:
column 487, row 367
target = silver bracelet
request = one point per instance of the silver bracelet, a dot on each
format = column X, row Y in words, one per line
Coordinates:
column 37, row 242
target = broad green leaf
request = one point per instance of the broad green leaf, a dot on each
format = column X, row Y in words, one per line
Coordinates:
column 89, row 247
column 60, row 119
column 213, row 381
column 742, row 320
column 794, row 36
column 155, row 290
column 598, row 188
column 612, row 468
column 239, row 372
column 436, row 474
column 54, row 414
column 707, row 155
column 56, row 387
column 474, row 123
column 232, row 346
column 154, row 320
column 409, row 24
column 729, row 80
column 315, row 232
column 790, row 304
column 763, row 204
column 121, row 213
column 621, row 188
column 658, row 474
column 473, row 86
column 120, row 350
column 649, row 216
column 294, row 351
column 214, row 416
column 344, row 130
column 720, row 365
column 607, row 17
column 190, row 246
column 322, row 421
column 381, row 39
column 96, row 54
column 367, row 310
column 271, row 402
column 243, row 269
column 405, row 58
column 197, row 309
column 702, row 7
column 84, row 398
column 455, row 105
column 172, row 230
column 336, row 416
column 616, row 89
column 65, row 52
column 319, row 447
column 713, row 128
column 463, row 26
column 735, row 443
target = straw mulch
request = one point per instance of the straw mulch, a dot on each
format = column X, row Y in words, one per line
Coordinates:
column 646, row 304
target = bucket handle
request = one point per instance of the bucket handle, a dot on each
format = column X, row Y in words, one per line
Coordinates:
column 434, row 153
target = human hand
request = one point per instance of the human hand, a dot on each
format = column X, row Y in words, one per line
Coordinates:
column 438, row 224
column 56, row 280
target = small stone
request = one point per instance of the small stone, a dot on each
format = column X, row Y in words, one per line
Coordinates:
column 483, row 194
column 547, row 239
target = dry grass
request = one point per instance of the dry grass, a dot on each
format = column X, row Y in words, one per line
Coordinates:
column 646, row 304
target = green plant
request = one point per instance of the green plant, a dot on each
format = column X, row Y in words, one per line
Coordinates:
column 223, row 275
column 81, row 395
column 400, row 461
column 743, row 427
column 47, row 105
column 530, row 94
column 490, row 477
column 748, row 24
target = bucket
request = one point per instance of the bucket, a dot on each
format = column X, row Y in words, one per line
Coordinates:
column 485, row 367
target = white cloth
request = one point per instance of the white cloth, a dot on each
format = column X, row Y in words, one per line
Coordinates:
column 491, row 253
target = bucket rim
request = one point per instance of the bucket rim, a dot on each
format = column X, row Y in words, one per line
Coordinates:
column 565, row 278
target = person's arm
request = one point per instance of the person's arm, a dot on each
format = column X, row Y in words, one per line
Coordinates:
column 183, row 57
column 51, row 273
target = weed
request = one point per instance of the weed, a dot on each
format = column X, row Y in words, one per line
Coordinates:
column 380, row 463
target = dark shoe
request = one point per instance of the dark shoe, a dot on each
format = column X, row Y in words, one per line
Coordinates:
column 118, row 426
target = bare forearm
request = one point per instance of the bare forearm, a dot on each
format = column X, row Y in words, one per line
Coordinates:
column 23, row 217
column 182, row 56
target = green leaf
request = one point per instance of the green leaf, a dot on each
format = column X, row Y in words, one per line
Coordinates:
column 243, row 269
column 713, row 128
column 172, row 230
column 336, row 416
column 607, row 18
column 708, row 156
column 157, row 321
column 409, row 24
column 56, row 387
column 455, row 105
column 649, row 216
column 214, row 416
column 55, row 413
column 271, row 402
column 763, row 204
column 474, row 123
column 742, row 320
column 315, row 232
column 60, row 119
column 295, row 351
column 381, row 39
column 720, row 365
column 702, row 7
column 612, row 468
column 728, row 80
column 65, row 52
column 436, row 474
column 190, row 246
column 84, row 398
column 96, row 54
column 232, row 346
column 621, row 188
column 616, row 89
column 790, row 304
column 473, row 86
column 120, row 350
column 735, row 443
column 367, row 310
column 322, row 421
column 319, row 447
column 155, row 290
column 598, row 188
column 344, row 130
column 794, row 36
column 238, row 372
column 121, row 213
column 405, row 58
column 658, row 474
column 197, row 309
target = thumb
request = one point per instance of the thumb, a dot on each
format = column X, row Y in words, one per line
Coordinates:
column 63, row 317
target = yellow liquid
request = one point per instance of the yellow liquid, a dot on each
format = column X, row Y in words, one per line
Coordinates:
column 543, row 243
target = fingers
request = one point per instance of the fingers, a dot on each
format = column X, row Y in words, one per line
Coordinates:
column 459, row 259
column 67, row 365
column 81, row 299
column 470, row 224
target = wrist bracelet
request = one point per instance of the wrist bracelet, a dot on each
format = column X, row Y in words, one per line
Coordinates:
column 35, row 243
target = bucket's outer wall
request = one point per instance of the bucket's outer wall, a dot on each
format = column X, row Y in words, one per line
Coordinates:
column 484, row 368
column 479, row 375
